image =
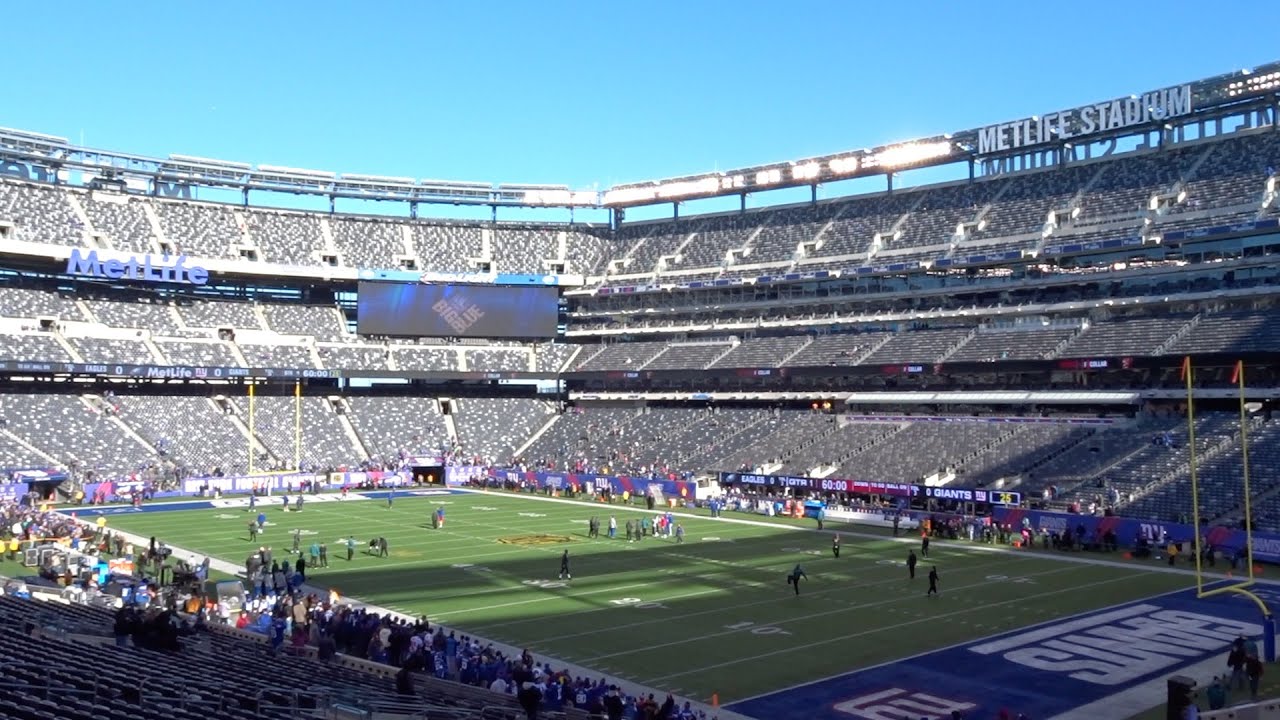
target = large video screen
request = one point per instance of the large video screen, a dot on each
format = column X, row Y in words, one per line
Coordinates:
column 481, row 311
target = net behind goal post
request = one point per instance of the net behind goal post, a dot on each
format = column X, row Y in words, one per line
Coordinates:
column 1240, row 587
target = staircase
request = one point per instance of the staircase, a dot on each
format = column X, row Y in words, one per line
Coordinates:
column 260, row 314
column 83, row 217
column 1087, row 436
column 874, row 348
column 16, row 440
column 807, row 342
column 68, row 348
column 954, row 348
column 450, row 427
column 158, row 238
column 839, row 461
column 717, row 459
column 256, row 446
column 534, row 438
column 568, row 363
column 1184, row 469
column 341, row 408
column 1181, row 332
column 728, row 349
column 239, row 356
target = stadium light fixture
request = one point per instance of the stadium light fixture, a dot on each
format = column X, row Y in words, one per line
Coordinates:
column 196, row 160
column 686, row 188
column 561, row 197
column 912, row 153
column 845, row 165
column 277, row 169
column 806, row 171
column 771, row 176
column 378, row 179
column 445, row 184
column 28, row 135
column 1253, row 84
column 623, row 196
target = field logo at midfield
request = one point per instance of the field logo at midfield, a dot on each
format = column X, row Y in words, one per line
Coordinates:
column 895, row 704
column 539, row 539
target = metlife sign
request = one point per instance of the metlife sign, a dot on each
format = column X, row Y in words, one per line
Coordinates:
column 1100, row 117
column 143, row 268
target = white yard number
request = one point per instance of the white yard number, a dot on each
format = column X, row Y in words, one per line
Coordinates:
column 471, row 568
column 482, row 507
column 902, row 563
column 802, row 551
column 637, row 603
column 757, row 629
column 533, row 515
column 544, row 584
column 1006, row 578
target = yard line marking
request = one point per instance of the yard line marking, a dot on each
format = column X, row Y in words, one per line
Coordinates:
column 540, row 599
column 911, row 540
column 483, row 627
column 930, row 618
column 812, row 615
column 231, row 568
column 670, row 618
column 953, row 646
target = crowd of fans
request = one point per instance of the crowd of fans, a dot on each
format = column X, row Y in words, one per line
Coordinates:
column 301, row 618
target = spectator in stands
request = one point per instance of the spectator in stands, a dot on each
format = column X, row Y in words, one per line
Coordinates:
column 530, row 697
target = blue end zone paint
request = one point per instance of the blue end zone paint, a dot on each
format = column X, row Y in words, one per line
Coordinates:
column 264, row 503
column 1043, row 671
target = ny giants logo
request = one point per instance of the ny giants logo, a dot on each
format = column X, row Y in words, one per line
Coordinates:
column 1121, row 646
column 899, row 704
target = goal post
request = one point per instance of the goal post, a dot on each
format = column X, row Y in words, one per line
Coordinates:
column 252, row 439
column 1242, row 586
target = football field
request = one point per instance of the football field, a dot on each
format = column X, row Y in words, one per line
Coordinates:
column 713, row 616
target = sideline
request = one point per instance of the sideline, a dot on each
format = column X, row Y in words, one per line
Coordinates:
column 971, row 546
column 627, row 686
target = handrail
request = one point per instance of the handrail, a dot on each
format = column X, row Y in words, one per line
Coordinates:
column 322, row 700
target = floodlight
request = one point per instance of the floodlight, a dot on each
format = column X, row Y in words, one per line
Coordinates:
column 807, row 171
column 845, row 165
column 912, row 153
column 768, row 177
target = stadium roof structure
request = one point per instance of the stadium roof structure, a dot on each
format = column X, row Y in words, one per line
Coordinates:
column 1165, row 112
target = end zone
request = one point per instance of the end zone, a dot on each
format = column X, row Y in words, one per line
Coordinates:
column 1106, row 663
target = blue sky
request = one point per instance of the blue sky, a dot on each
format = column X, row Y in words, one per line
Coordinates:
column 587, row 94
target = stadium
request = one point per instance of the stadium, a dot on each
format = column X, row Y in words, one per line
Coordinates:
column 1054, row 381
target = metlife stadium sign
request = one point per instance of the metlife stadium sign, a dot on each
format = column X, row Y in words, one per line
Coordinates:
column 1100, row 117
column 144, row 268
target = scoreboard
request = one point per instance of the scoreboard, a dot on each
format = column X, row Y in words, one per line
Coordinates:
column 865, row 487
column 451, row 310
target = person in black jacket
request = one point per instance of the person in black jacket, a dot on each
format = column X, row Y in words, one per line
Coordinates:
column 404, row 682
column 613, row 705
column 530, row 698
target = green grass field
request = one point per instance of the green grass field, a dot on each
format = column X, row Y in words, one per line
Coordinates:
column 711, row 615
